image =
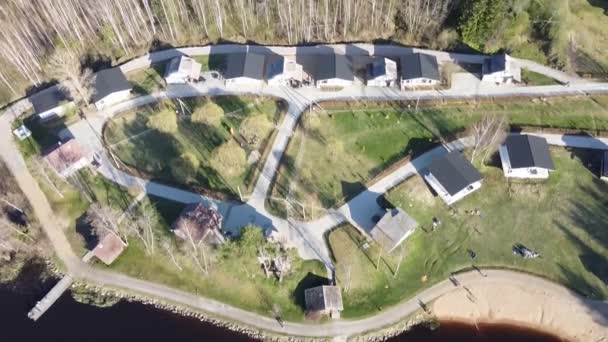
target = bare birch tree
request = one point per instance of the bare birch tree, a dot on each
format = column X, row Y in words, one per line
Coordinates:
column 488, row 133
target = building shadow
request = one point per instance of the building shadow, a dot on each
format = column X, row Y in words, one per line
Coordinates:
column 310, row 280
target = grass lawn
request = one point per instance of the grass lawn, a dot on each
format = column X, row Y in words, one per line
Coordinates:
column 151, row 151
column 233, row 278
column 332, row 155
column 564, row 219
column 532, row 78
column 214, row 62
column 148, row 80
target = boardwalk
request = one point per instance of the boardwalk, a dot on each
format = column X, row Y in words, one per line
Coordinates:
column 45, row 303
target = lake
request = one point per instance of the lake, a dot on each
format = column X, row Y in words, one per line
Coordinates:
column 69, row 320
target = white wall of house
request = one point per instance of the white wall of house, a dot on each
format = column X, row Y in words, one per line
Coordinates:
column 291, row 71
column 445, row 196
column 417, row 82
column 382, row 81
column 177, row 77
column 242, row 81
column 57, row 111
column 501, row 77
column 333, row 82
column 522, row 172
column 113, row 98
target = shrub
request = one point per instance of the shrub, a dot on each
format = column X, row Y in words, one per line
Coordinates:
column 164, row 121
column 229, row 159
column 209, row 114
column 255, row 128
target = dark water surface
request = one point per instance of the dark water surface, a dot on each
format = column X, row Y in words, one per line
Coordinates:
column 69, row 320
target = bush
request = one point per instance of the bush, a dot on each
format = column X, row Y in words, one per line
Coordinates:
column 209, row 114
column 185, row 167
column 164, row 121
column 255, row 128
column 479, row 20
column 229, row 159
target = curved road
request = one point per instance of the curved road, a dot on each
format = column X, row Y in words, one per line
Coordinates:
column 309, row 235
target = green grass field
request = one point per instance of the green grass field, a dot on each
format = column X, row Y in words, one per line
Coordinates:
column 564, row 219
column 532, row 78
column 149, row 80
column 151, row 151
column 332, row 156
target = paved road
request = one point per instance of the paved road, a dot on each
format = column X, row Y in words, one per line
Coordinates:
column 307, row 236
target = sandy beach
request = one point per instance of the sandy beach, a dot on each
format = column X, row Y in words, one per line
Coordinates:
column 518, row 299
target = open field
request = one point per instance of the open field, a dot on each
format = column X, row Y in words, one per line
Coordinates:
column 333, row 155
column 235, row 276
column 564, row 219
column 153, row 152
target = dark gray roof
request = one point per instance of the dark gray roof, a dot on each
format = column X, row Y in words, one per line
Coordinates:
column 605, row 164
column 323, row 297
column 326, row 66
column 275, row 68
column 454, row 172
column 249, row 65
column 109, row 81
column 418, row 65
column 48, row 99
column 528, row 151
column 495, row 63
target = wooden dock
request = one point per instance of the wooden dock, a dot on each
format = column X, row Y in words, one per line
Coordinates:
column 45, row 303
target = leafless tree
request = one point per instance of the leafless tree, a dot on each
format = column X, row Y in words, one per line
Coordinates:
column 65, row 66
column 196, row 248
column 169, row 248
column 423, row 17
column 488, row 133
column 104, row 219
column 142, row 226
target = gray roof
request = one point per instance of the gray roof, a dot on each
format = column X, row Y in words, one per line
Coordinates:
column 392, row 228
column 327, row 66
column 604, row 172
column 418, row 65
column 454, row 172
column 109, row 81
column 249, row 65
column 377, row 67
column 49, row 99
column 528, row 151
column 275, row 68
column 322, row 298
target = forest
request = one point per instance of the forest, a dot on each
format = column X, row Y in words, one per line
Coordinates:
column 569, row 34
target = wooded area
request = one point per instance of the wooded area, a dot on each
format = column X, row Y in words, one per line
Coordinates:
column 114, row 30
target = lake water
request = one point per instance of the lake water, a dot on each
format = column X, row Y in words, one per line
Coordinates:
column 69, row 320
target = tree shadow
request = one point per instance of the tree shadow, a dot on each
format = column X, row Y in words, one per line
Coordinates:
column 85, row 229
column 95, row 61
column 36, row 88
column 310, row 280
column 603, row 4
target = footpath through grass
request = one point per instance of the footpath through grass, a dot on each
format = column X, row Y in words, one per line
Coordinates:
column 244, row 129
column 564, row 219
column 335, row 153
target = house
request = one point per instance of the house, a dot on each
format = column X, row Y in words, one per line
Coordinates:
column 419, row 69
column 110, row 87
column 283, row 71
column 501, row 69
column 182, row 69
column 331, row 70
column 51, row 102
column 66, row 158
column 381, row 72
column 526, row 156
column 324, row 300
column 109, row 248
column 393, row 228
column 604, row 169
column 199, row 223
column 452, row 177
column 244, row 69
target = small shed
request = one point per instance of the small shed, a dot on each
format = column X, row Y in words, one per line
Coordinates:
column 393, row 228
column 419, row 69
column 182, row 69
column 110, row 87
column 604, row 169
column 200, row 223
column 51, row 102
column 325, row 300
column 66, row 158
column 244, row 69
column 453, row 177
column 381, row 72
column 501, row 69
column 109, row 248
column 526, row 156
